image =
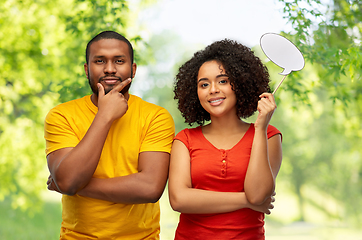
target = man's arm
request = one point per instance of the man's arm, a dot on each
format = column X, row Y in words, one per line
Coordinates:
column 72, row 168
column 143, row 187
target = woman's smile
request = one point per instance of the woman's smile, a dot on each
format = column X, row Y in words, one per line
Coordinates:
column 214, row 90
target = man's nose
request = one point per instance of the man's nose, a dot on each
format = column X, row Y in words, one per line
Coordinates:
column 110, row 67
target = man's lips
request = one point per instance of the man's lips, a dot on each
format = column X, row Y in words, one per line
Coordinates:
column 110, row 80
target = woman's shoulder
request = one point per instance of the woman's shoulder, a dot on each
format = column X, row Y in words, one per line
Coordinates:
column 271, row 131
column 188, row 132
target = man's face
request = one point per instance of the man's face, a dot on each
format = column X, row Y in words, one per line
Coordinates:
column 109, row 63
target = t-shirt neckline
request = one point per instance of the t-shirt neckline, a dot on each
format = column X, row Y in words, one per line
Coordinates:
column 94, row 108
column 220, row 149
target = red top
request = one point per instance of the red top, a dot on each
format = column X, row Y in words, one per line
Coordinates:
column 223, row 171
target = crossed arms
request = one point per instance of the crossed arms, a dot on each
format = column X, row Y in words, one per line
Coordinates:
column 259, row 184
column 72, row 169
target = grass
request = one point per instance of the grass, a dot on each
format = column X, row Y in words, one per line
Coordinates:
column 16, row 224
column 45, row 224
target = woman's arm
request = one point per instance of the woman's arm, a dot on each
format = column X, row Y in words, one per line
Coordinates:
column 185, row 199
column 266, row 155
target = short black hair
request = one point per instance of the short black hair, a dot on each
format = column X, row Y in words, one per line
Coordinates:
column 248, row 77
column 109, row 35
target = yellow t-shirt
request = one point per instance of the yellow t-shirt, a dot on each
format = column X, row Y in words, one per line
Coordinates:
column 144, row 127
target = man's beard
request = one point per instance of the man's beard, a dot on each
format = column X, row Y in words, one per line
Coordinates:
column 107, row 90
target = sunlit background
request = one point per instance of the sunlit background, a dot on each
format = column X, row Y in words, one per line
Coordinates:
column 42, row 48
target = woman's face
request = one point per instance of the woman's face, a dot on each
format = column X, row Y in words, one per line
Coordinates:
column 214, row 90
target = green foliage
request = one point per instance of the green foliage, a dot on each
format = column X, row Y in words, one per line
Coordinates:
column 42, row 52
column 157, row 86
column 324, row 150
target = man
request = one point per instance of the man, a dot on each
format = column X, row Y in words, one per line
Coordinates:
column 108, row 153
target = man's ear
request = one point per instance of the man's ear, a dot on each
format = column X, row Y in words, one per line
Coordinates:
column 134, row 67
column 86, row 69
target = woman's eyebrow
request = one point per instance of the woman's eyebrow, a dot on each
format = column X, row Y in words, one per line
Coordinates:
column 222, row 75
column 218, row 76
column 202, row 79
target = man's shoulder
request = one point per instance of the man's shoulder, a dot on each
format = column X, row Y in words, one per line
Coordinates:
column 72, row 103
column 149, row 112
column 145, row 106
column 71, row 108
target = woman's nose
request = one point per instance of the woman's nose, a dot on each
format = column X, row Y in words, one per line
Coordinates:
column 214, row 88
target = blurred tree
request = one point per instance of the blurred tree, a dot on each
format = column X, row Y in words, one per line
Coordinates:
column 324, row 150
column 42, row 51
column 155, row 82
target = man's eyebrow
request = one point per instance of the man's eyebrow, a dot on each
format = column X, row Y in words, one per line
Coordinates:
column 218, row 76
column 102, row 56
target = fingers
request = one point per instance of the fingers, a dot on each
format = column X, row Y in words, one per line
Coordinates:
column 272, row 197
column 266, row 95
column 49, row 182
column 266, row 105
column 270, row 205
column 267, row 99
column 50, row 179
column 122, row 85
column 100, row 90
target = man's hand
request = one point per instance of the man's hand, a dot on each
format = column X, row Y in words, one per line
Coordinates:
column 114, row 104
column 51, row 185
column 72, row 168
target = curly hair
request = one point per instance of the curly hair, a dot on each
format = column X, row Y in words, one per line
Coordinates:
column 248, row 77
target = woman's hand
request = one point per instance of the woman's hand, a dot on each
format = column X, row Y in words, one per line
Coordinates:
column 266, row 108
column 266, row 206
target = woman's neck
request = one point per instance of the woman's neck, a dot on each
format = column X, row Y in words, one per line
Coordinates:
column 225, row 133
column 225, row 125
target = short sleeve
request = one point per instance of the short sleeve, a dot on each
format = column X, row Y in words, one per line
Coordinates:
column 58, row 132
column 272, row 131
column 160, row 133
column 183, row 137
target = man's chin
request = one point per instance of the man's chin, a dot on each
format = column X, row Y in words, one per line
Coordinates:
column 123, row 91
column 108, row 89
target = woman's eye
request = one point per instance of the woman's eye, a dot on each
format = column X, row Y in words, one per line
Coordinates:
column 204, row 85
column 223, row 81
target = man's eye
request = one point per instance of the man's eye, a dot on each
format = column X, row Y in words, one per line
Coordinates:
column 119, row 61
column 99, row 61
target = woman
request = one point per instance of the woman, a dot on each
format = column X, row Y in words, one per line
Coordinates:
column 222, row 174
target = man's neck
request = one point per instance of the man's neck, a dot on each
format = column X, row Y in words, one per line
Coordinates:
column 94, row 98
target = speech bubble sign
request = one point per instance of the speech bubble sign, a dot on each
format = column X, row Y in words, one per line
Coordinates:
column 282, row 52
